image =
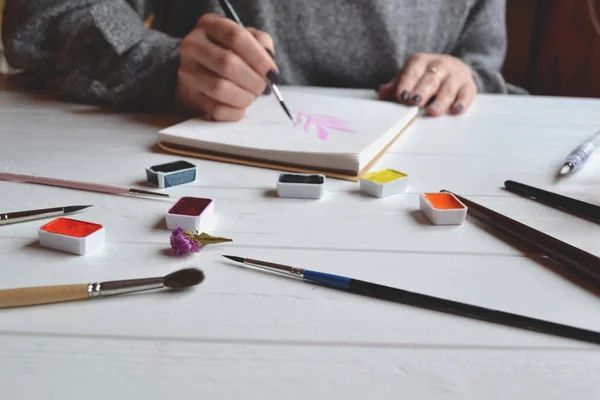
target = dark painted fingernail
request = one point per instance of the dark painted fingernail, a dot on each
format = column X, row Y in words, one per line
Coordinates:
column 405, row 95
column 416, row 98
column 273, row 56
column 273, row 76
column 459, row 108
column 267, row 90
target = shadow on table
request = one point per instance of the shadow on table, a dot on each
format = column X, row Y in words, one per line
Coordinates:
column 419, row 217
column 156, row 120
column 146, row 184
column 167, row 252
column 160, row 225
column 573, row 276
column 33, row 88
column 36, row 246
column 358, row 193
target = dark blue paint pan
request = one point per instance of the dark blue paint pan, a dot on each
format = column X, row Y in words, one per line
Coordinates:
column 171, row 174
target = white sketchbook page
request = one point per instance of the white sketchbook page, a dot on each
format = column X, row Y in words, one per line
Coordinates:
column 336, row 125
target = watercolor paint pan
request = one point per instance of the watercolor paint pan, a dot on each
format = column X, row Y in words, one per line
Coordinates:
column 383, row 183
column 443, row 208
column 71, row 235
column 171, row 174
column 301, row 186
column 191, row 213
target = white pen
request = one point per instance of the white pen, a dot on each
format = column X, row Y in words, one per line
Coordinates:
column 580, row 155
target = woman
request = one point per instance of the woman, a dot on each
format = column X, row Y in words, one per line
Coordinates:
column 436, row 54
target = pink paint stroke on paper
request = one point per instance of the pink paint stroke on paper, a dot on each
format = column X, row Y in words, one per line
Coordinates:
column 322, row 123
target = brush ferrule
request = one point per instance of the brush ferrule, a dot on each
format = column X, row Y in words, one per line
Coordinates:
column 147, row 193
column 293, row 271
column 282, row 269
column 94, row 289
column 276, row 92
column 23, row 216
column 297, row 272
column 122, row 287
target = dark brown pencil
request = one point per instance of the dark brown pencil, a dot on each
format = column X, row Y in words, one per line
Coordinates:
column 564, row 254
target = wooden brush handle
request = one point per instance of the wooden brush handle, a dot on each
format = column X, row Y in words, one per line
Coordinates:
column 42, row 295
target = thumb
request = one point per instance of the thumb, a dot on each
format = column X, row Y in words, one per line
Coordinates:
column 387, row 90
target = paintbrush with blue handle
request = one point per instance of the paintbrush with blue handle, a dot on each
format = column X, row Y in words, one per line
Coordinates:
column 424, row 301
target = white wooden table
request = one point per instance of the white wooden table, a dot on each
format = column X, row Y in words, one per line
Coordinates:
column 247, row 334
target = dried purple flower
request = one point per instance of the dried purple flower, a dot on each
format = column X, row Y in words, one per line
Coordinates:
column 183, row 242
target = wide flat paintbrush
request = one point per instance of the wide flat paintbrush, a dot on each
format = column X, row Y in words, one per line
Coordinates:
column 32, row 296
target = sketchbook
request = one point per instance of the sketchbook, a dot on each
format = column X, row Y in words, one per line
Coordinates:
column 331, row 135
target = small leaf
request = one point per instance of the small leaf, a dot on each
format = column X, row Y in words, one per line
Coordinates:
column 205, row 239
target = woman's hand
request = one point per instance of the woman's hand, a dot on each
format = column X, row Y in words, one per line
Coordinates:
column 224, row 67
column 444, row 80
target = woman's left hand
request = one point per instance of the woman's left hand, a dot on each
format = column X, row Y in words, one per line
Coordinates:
column 444, row 83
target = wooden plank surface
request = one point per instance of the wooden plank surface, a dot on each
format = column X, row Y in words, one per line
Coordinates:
column 247, row 334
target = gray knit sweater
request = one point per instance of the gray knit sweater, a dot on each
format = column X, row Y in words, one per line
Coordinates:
column 98, row 51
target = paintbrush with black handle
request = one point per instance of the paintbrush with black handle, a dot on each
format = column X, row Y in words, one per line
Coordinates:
column 572, row 258
column 396, row 295
column 232, row 15
column 30, row 215
column 558, row 201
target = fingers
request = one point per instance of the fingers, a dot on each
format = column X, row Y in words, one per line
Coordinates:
column 409, row 77
column 197, row 50
column 428, row 86
column 444, row 98
column 441, row 83
column 224, row 66
column 205, row 91
column 218, row 111
column 264, row 39
column 238, row 39
column 267, row 42
column 222, row 90
column 198, row 102
column 453, row 98
column 465, row 97
column 387, row 91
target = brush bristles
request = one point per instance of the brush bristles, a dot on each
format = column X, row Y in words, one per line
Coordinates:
column 184, row 278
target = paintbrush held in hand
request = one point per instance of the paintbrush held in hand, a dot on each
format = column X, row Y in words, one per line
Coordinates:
column 62, row 293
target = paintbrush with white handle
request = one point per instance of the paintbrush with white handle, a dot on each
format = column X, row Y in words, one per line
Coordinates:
column 87, row 186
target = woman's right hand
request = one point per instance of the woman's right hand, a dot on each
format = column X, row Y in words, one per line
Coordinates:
column 224, row 67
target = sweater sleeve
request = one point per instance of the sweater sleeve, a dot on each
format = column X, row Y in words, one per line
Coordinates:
column 482, row 44
column 93, row 51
